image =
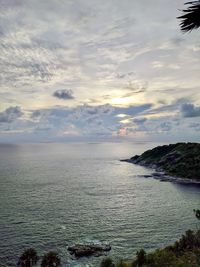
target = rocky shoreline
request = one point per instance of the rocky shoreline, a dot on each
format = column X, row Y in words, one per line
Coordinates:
column 177, row 163
column 161, row 175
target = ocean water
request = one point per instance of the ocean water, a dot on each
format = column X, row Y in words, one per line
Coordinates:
column 55, row 195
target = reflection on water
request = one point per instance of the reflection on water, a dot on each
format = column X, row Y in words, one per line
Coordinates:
column 54, row 195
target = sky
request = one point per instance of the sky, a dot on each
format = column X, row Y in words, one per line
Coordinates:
column 97, row 70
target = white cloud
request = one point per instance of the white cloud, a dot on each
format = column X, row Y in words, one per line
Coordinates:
column 122, row 53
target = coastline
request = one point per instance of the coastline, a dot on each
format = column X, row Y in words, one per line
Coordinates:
column 162, row 176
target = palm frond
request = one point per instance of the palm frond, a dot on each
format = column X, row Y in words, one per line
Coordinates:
column 190, row 20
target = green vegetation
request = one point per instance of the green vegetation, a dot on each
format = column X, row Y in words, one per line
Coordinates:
column 50, row 259
column 30, row 258
column 141, row 257
column 184, row 253
column 181, row 159
column 197, row 214
column 107, row 262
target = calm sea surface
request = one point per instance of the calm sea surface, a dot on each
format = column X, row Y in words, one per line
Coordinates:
column 55, row 195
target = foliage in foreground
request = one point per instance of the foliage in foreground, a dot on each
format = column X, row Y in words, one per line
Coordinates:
column 197, row 214
column 190, row 19
column 29, row 258
column 50, row 259
column 107, row 262
column 184, row 253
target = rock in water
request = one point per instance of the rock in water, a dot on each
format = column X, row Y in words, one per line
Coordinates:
column 88, row 250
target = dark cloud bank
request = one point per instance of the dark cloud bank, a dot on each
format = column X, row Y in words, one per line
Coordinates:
column 10, row 114
column 190, row 110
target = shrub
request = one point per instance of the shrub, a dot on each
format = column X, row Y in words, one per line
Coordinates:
column 197, row 214
column 51, row 259
column 107, row 262
column 141, row 257
column 121, row 263
column 28, row 258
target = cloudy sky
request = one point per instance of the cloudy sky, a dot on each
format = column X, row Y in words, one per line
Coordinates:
column 97, row 70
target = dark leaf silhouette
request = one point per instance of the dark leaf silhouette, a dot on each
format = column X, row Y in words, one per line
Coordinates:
column 190, row 19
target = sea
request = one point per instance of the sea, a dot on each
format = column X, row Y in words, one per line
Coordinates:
column 53, row 195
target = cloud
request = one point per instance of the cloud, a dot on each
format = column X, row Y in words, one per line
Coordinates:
column 165, row 126
column 87, row 122
column 115, row 66
column 190, row 110
column 140, row 120
column 64, row 94
column 10, row 114
column 36, row 114
column 196, row 126
column 135, row 109
column 11, row 3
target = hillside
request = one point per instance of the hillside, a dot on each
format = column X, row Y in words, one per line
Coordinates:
column 183, row 253
column 179, row 160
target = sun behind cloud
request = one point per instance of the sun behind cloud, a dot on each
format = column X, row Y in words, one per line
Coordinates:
column 78, row 65
column 121, row 101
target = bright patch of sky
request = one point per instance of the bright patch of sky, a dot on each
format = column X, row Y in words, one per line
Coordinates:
column 97, row 70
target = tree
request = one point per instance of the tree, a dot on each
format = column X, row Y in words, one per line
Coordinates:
column 190, row 20
column 28, row 258
column 141, row 257
column 51, row 259
column 121, row 263
column 107, row 262
column 197, row 214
